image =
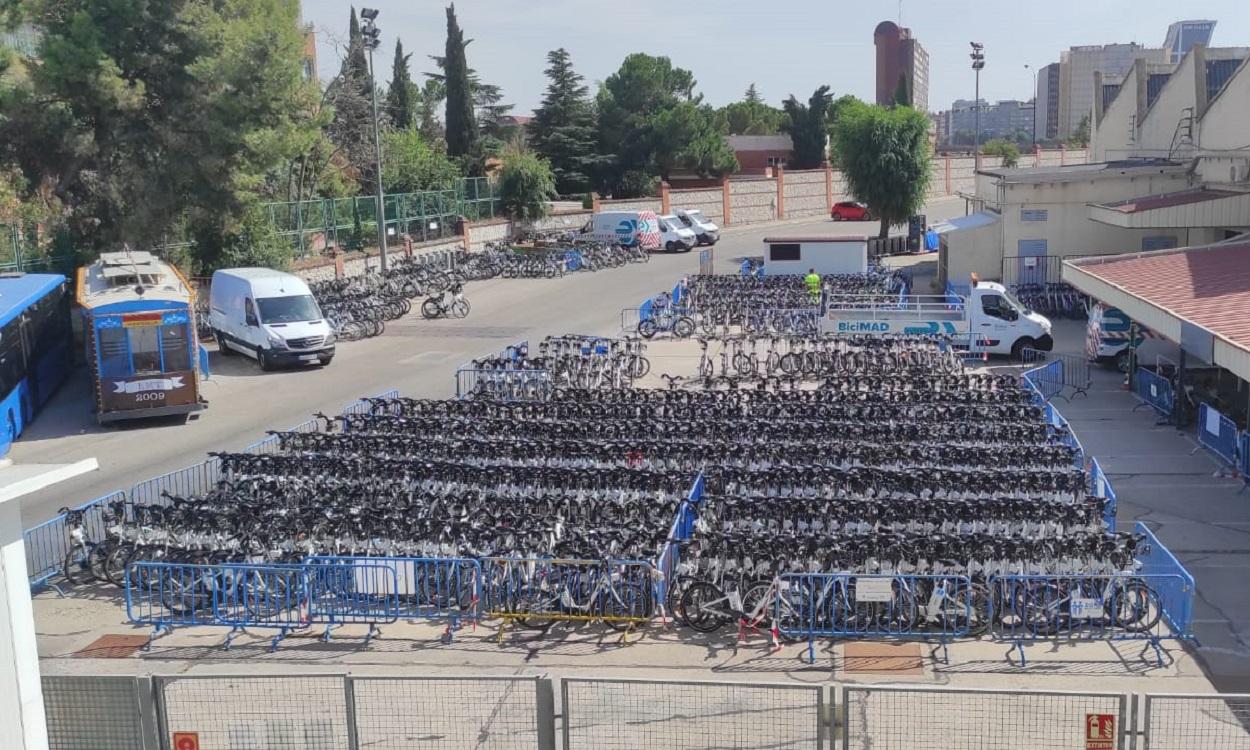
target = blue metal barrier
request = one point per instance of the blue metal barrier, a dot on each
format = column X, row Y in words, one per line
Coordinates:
column 503, row 385
column 346, row 592
column 1113, row 607
column 540, row 591
column 572, row 260
column 363, row 406
column 1100, row 486
column 1063, row 430
column 273, row 443
column 1243, row 461
column 957, row 293
column 1153, row 390
column 193, row 480
column 426, row 588
column 1218, row 434
column 1047, row 380
column 47, row 544
column 846, row 605
column 203, row 360
column 1175, row 586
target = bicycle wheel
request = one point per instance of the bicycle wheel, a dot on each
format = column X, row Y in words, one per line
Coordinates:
column 431, row 309
column 627, row 605
column 460, row 308
column 683, row 328
column 639, row 366
column 647, row 328
column 702, row 606
column 75, row 568
column 537, row 608
column 755, row 599
column 1135, row 607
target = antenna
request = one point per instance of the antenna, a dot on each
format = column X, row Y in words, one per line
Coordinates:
column 900, row 12
column 139, row 290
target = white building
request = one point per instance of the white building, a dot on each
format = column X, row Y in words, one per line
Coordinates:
column 1077, row 67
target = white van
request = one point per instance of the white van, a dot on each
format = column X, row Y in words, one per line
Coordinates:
column 675, row 236
column 629, row 228
column 705, row 231
column 268, row 315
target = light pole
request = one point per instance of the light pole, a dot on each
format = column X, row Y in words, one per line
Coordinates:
column 372, row 38
column 1030, row 67
column 978, row 62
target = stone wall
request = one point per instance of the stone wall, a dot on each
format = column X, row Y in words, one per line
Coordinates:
column 491, row 230
column 752, row 201
column 632, row 204
column 805, row 193
column 563, row 221
column 707, row 200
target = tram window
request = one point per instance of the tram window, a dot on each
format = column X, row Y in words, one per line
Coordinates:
column 145, row 349
column 114, row 359
column 174, row 344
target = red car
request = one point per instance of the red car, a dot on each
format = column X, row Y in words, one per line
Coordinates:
column 850, row 211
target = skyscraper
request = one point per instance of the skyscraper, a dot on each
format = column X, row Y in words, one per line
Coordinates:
column 899, row 55
column 1185, row 34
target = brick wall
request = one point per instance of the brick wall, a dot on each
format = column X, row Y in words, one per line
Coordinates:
column 707, row 200
column 805, row 193
column 752, row 200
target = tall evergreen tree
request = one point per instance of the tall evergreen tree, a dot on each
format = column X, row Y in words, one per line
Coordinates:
column 461, row 125
column 752, row 96
column 350, row 94
column 807, row 127
column 563, row 130
column 402, row 96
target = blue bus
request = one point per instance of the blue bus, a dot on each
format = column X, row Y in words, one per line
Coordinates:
column 36, row 347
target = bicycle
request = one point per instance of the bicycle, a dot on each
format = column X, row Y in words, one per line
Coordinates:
column 452, row 302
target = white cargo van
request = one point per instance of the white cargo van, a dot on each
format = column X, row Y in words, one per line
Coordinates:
column 705, row 231
column 268, row 315
column 629, row 228
column 675, row 236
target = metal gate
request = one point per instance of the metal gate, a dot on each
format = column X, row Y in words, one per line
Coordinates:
column 1185, row 722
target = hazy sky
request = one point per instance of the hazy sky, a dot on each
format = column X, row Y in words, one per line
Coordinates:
column 783, row 46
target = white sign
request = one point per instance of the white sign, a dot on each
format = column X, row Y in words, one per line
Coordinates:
column 1030, row 262
column 1154, row 391
column 874, row 590
column 735, row 600
column 1213, row 421
column 1086, row 609
column 151, row 384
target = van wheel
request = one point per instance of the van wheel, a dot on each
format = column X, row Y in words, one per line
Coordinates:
column 1123, row 360
column 671, row 247
column 262, row 358
column 1017, row 349
column 222, row 347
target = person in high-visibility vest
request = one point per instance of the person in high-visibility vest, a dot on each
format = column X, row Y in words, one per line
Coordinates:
column 812, row 280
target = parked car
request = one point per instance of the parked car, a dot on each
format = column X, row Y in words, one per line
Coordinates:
column 705, row 231
column 675, row 236
column 850, row 211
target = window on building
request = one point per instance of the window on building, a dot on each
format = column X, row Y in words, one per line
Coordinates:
column 1161, row 242
column 1034, row 214
column 785, row 251
column 777, row 161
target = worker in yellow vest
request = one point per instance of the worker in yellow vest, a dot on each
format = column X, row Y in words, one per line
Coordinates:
column 812, row 280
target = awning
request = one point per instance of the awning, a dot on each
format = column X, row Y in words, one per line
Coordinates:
column 960, row 223
column 1190, row 295
column 1200, row 207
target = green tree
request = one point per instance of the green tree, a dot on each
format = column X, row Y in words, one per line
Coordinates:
column 563, row 130
column 526, row 187
column 462, row 134
column 886, row 160
column 349, row 96
column 402, row 96
column 143, row 118
column 807, row 127
column 1080, row 136
column 492, row 113
column 1008, row 150
column 411, row 164
column 751, row 116
column 431, row 99
column 902, row 94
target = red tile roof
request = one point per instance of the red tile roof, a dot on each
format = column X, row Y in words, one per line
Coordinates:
column 1167, row 200
column 1208, row 286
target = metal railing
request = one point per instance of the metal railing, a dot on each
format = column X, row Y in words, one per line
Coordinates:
column 539, row 591
column 1155, row 391
column 1100, row 486
column 1185, row 722
column 1055, row 373
column 1218, row 434
column 48, row 544
column 1176, row 589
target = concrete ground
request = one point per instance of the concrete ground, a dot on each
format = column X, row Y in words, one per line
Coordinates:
column 1154, row 473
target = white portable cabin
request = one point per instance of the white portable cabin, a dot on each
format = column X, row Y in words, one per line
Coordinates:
column 827, row 255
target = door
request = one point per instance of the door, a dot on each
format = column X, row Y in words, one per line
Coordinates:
column 994, row 323
column 1033, row 265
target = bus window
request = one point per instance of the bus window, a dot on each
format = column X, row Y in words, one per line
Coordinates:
column 114, row 359
column 174, row 345
column 145, row 349
column 12, row 357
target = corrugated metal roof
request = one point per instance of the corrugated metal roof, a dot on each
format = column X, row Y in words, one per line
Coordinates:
column 1166, row 200
column 1208, row 286
column 971, row 221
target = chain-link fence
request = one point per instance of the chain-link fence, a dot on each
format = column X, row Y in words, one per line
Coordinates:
column 949, row 719
column 628, row 714
column 1186, row 722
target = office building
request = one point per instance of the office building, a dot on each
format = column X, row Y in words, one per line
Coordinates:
column 1077, row 67
column 1009, row 119
column 1046, row 115
column 1183, row 35
column 900, row 55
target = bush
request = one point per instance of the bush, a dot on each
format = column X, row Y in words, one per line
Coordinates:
column 1008, row 150
column 526, row 185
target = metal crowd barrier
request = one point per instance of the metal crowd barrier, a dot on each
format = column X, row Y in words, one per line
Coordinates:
column 786, row 319
column 503, row 385
column 1063, row 429
column 1177, row 587
column 847, row 605
column 1100, row 486
column 1059, row 372
column 1218, row 434
column 1153, row 390
column 193, row 480
column 1047, row 379
column 363, row 406
column 273, row 443
column 540, row 591
column 47, row 544
column 1116, row 607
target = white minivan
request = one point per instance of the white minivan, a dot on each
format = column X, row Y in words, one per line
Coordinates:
column 629, row 228
column 675, row 236
column 704, row 230
column 268, row 315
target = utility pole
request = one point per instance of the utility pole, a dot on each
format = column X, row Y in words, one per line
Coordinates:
column 978, row 62
column 372, row 36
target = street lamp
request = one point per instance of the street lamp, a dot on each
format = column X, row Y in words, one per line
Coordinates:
column 1030, row 67
column 372, row 39
column 978, row 62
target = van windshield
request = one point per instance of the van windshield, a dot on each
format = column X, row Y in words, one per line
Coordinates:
column 694, row 216
column 288, row 309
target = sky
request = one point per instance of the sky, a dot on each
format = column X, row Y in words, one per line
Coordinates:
column 783, row 46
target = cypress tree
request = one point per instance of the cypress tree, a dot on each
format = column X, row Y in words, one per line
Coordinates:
column 460, row 121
